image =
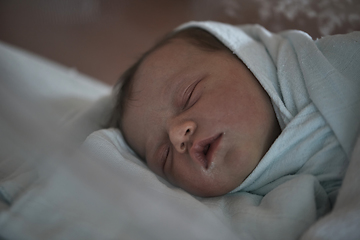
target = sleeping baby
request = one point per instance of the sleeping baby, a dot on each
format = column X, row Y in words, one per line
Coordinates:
column 215, row 108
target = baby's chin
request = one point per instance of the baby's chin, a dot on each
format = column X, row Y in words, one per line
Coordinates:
column 208, row 193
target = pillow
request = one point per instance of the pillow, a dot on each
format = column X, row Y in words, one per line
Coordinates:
column 38, row 96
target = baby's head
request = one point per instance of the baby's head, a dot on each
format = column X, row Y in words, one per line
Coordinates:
column 195, row 114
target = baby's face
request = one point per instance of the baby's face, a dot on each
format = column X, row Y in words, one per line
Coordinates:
column 199, row 118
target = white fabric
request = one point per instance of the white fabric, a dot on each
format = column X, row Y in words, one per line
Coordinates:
column 279, row 215
column 34, row 91
column 101, row 191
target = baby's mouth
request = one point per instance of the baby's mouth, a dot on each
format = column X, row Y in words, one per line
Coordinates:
column 204, row 150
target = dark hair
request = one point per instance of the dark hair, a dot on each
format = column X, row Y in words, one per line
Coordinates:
column 123, row 88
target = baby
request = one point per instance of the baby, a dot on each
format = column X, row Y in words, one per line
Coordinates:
column 199, row 118
column 196, row 114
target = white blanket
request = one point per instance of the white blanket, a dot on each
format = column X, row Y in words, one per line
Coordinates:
column 101, row 191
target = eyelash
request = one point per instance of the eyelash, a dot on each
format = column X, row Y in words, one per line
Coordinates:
column 165, row 157
column 189, row 96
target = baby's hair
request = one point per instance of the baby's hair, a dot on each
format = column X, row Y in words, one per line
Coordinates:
column 123, row 88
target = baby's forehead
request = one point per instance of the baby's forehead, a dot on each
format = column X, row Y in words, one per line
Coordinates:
column 163, row 68
column 161, row 65
column 165, row 54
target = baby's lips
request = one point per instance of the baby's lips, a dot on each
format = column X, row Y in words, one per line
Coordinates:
column 198, row 148
column 214, row 146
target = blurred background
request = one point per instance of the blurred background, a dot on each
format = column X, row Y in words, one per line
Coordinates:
column 101, row 38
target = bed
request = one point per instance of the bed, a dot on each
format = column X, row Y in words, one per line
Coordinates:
column 59, row 180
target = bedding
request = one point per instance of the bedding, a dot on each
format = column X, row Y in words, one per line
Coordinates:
column 64, row 177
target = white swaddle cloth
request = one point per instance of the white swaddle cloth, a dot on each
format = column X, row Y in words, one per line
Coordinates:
column 315, row 90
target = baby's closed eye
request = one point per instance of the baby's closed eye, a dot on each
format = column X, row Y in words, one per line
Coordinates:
column 165, row 152
column 188, row 99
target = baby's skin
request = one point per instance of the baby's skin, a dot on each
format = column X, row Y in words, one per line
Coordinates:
column 199, row 118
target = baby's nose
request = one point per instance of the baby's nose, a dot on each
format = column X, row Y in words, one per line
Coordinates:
column 180, row 134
